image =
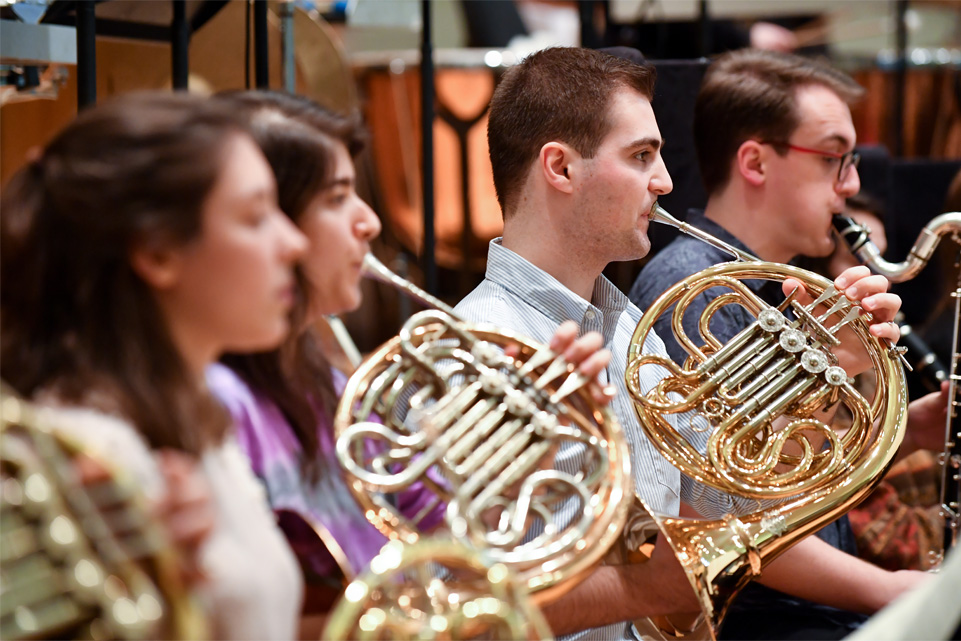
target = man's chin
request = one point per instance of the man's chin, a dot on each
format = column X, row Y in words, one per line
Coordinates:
column 642, row 249
column 826, row 248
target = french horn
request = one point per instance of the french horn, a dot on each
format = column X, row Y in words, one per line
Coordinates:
column 435, row 589
column 502, row 434
column 756, row 402
column 80, row 558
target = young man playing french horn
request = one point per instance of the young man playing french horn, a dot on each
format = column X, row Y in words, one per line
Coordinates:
column 575, row 151
column 776, row 172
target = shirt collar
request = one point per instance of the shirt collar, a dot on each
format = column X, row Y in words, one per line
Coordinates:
column 549, row 296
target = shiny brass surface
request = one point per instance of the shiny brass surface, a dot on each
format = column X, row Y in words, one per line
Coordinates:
column 857, row 239
column 757, row 401
column 79, row 558
column 435, row 589
column 480, row 417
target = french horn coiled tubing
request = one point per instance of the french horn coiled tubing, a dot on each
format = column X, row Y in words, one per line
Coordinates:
column 436, row 588
column 80, row 558
column 757, row 427
column 504, row 442
column 503, row 435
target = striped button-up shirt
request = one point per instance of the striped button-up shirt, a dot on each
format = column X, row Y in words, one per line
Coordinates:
column 521, row 297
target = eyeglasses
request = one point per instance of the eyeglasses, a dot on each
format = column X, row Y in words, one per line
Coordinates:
column 848, row 160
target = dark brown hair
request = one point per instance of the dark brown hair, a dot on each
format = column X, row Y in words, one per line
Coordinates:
column 77, row 320
column 298, row 137
column 751, row 93
column 559, row 94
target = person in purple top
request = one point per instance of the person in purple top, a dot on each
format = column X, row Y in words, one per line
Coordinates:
column 283, row 401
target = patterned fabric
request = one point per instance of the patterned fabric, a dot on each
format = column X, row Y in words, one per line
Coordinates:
column 899, row 525
column 758, row 612
column 274, row 453
column 519, row 296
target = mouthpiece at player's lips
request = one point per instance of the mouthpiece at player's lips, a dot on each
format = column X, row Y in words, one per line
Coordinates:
column 658, row 214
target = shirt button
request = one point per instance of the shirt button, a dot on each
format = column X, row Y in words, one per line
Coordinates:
column 589, row 314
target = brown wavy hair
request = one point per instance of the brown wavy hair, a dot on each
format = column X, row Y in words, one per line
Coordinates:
column 77, row 321
column 299, row 138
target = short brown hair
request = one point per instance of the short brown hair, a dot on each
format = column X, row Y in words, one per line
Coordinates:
column 560, row 94
column 752, row 93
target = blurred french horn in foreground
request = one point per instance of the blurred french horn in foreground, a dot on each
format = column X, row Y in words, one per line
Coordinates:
column 79, row 557
column 435, row 589
column 503, row 434
column 755, row 402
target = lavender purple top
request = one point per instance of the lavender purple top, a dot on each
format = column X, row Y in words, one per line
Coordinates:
column 275, row 457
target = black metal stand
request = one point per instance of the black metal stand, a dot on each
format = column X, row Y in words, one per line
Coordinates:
column 180, row 46
column 705, row 40
column 86, row 54
column 261, row 57
column 427, row 127
column 900, row 77
column 589, row 37
column 82, row 14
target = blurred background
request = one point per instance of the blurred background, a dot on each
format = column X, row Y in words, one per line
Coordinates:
column 57, row 56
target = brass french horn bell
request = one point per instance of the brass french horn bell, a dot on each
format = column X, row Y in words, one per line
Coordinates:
column 500, row 432
column 752, row 407
column 435, row 589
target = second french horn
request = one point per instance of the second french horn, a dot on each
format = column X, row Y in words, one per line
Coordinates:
column 503, row 436
column 757, row 429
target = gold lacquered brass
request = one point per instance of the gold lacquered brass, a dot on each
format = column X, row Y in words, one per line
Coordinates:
column 757, row 399
column 435, row 589
column 79, row 558
column 481, row 419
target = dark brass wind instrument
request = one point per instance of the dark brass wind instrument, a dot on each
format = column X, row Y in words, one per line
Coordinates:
column 757, row 400
column 479, row 418
column 857, row 238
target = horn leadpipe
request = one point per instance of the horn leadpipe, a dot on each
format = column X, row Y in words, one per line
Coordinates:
column 856, row 237
column 373, row 268
column 659, row 215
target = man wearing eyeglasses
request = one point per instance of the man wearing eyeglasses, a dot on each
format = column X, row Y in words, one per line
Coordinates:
column 775, row 144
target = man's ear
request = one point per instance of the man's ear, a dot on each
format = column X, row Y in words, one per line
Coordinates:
column 751, row 156
column 555, row 162
column 159, row 265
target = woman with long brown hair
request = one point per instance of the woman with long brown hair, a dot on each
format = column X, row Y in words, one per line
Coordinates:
column 143, row 242
column 283, row 401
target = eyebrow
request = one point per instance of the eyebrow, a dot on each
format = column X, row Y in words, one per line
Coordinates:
column 262, row 193
column 339, row 182
column 656, row 143
column 841, row 140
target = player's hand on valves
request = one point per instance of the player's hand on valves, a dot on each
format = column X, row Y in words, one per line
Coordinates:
column 870, row 291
